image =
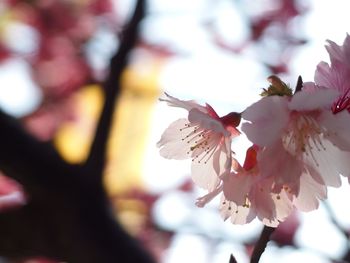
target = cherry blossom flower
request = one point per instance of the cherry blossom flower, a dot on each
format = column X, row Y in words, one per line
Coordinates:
column 336, row 75
column 248, row 195
column 204, row 137
column 300, row 138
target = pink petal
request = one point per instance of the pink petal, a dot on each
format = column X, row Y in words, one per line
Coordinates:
column 335, row 51
column 173, row 143
column 309, row 86
column 207, row 122
column 329, row 162
column 11, row 200
column 242, row 215
column 283, row 205
column 339, row 54
column 186, row 104
column 346, row 49
column 275, row 161
column 203, row 200
column 238, row 214
column 206, row 174
column 223, row 163
column 271, row 208
column 337, row 127
column 261, row 201
column 313, row 100
column 323, row 76
column 237, row 187
column 335, row 77
column 310, row 193
column 267, row 118
column 270, row 222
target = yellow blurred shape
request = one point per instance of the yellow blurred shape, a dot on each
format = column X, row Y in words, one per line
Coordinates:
column 73, row 139
column 132, row 214
column 130, row 129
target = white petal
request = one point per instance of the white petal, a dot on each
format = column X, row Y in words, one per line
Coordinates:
column 283, row 205
column 206, row 172
column 186, row 104
column 242, row 215
column 309, row 86
column 275, row 161
column 223, row 208
column 326, row 167
column 270, row 222
column 203, row 200
column 238, row 214
column 207, row 122
column 323, row 75
column 312, row 100
column 237, row 187
column 310, row 193
column 335, row 51
column 261, row 201
column 337, row 127
column 174, row 142
column 335, row 77
column 223, row 163
column 330, row 162
column 267, row 119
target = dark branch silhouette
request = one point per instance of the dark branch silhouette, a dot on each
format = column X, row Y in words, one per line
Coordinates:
column 96, row 158
column 67, row 217
column 261, row 244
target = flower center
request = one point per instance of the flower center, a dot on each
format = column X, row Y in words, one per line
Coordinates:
column 201, row 143
column 304, row 136
column 232, row 119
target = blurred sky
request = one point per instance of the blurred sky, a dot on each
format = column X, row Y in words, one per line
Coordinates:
column 229, row 82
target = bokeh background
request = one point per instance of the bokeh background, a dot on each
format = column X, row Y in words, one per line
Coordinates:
column 55, row 54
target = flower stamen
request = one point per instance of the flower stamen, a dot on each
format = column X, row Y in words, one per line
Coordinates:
column 342, row 103
column 304, row 137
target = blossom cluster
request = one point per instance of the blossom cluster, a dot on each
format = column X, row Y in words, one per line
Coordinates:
column 300, row 145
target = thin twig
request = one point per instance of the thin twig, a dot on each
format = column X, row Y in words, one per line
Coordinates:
column 97, row 155
column 261, row 244
column 22, row 154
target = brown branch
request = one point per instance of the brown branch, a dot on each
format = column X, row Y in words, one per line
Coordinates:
column 26, row 159
column 71, row 225
column 261, row 244
column 96, row 158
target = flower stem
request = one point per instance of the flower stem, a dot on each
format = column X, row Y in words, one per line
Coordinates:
column 261, row 244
